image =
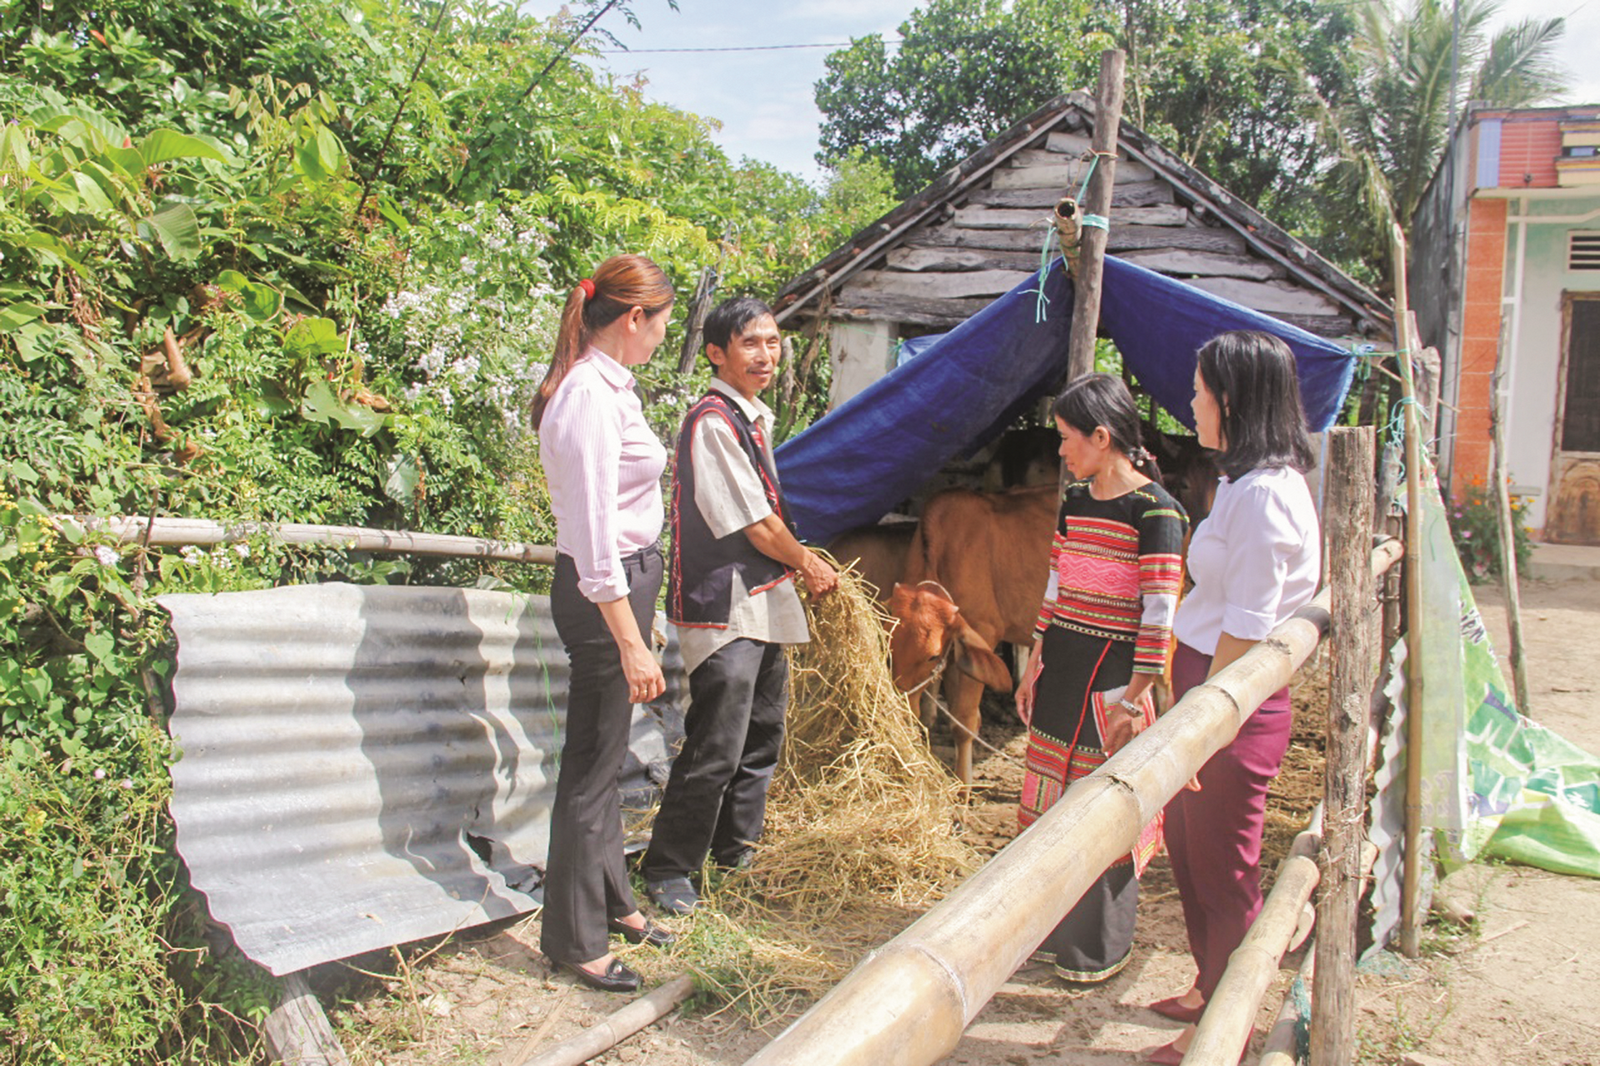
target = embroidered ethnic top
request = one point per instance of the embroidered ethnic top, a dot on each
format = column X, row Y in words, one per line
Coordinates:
column 1116, row 568
column 702, row 565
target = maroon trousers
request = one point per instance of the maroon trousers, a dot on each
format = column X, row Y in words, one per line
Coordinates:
column 1214, row 835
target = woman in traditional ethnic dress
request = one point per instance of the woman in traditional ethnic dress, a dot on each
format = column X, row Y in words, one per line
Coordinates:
column 1256, row 559
column 1101, row 641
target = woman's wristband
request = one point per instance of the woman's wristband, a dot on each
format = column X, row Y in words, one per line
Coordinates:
column 1132, row 708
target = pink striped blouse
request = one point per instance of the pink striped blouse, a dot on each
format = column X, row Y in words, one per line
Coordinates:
column 603, row 466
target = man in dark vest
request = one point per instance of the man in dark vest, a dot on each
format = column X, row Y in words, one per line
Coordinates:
column 731, row 593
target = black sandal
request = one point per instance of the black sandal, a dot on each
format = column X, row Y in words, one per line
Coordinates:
column 655, row 935
column 617, row 978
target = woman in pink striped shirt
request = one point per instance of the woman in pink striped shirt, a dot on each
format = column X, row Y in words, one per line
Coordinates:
column 603, row 465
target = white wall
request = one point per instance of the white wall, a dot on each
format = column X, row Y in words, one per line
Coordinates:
column 1530, row 423
column 861, row 353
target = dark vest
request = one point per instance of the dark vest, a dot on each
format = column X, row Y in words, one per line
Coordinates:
column 700, row 571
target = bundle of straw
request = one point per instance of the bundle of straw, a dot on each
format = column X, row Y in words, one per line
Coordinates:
column 861, row 814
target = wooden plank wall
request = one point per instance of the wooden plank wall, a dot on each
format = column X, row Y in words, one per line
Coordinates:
column 988, row 242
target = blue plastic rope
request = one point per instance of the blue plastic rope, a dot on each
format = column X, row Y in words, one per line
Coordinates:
column 1089, row 221
column 1395, row 430
column 1302, row 1022
column 1039, row 311
column 1083, row 190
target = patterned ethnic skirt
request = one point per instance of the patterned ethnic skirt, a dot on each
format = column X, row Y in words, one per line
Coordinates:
column 1069, row 718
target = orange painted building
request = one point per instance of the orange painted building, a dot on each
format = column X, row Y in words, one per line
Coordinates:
column 1505, row 273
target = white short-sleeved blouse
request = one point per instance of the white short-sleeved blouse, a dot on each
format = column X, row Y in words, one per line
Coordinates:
column 1255, row 559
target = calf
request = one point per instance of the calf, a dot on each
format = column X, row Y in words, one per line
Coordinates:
column 975, row 575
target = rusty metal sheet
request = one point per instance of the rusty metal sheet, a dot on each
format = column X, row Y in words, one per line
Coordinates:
column 364, row 766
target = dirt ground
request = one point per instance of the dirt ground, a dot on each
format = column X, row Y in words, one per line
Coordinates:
column 1516, row 986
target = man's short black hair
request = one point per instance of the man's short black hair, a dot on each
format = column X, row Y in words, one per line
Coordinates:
column 729, row 318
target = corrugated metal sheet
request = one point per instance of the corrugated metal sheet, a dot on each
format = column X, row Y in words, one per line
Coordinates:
column 364, row 766
column 1386, row 814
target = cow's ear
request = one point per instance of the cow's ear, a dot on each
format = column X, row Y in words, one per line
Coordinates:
column 975, row 658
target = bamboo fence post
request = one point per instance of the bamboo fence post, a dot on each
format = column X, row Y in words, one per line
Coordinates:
column 615, row 1027
column 1411, row 875
column 1508, row 541
column 1230, row 1016
column 909, row 1001
column 1349, row 518
column 1097, row 201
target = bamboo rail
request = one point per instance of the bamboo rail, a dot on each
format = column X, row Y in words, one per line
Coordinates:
column 1230, row 1016
column 1280, row 1048
column 910, row 1000
column 178, row 532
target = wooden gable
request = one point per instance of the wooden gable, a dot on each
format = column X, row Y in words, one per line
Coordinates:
column 978, row 230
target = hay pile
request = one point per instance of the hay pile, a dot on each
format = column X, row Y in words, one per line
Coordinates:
column 861, row 811
column 861, row 828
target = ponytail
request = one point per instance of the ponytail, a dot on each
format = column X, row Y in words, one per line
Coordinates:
column 623, row 282
column 1146, row 464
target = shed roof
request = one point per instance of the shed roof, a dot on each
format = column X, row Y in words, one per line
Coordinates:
column 975, row 232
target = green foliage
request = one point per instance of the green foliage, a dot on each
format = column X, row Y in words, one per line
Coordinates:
column 1218, row 81
column 355, row 224
column 1475, row 528
column 1389, row 132
column 965, row 70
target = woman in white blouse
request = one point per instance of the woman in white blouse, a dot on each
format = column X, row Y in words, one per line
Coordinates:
column 1255, row 560
column 603, row 465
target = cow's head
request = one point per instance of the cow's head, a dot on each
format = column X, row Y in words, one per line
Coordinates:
column 929, row 631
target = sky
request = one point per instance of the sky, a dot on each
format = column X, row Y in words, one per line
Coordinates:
column 764, row 98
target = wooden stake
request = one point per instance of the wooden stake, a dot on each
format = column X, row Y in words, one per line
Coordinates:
column 1091, row 261
column 297, row 1032
column 615, row 1028
column 1508, row 541
column 1348, row 516
column 694, row 324
column 1411, row 874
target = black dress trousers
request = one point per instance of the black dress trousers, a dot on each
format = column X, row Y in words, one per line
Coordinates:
column 586, row 881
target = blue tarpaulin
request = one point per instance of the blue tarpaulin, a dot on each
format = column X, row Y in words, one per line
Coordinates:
column 963, row 390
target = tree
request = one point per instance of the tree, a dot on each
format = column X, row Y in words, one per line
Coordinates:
column 964, row 71
column 1390, row 132
column 1207, row 77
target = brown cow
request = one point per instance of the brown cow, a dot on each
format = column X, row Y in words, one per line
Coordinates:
column 877, row 553
column 975, row 575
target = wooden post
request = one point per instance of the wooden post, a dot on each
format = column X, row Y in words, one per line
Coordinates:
column 297, row 1032
column 618, row 1026
column 1411, row 874
column 1091, row 261
column 1348, row 516
column 1508, row 533
column 699, row 307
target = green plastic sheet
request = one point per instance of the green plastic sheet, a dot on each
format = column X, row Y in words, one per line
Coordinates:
column 1494, row 783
